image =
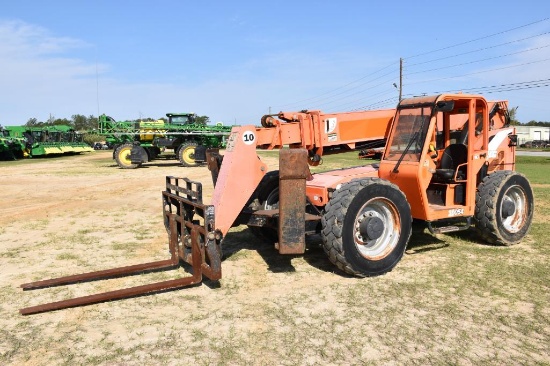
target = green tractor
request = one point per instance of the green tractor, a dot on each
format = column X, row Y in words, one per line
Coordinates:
column 180, row 137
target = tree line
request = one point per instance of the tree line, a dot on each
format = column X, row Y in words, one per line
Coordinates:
column 514, row 121
column 82, row 123
column 78, row 122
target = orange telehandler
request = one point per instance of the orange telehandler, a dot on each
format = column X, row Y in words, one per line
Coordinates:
column 449, row 161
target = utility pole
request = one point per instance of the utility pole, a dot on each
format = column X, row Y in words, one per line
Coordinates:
column 400, row 77
column 400, row 86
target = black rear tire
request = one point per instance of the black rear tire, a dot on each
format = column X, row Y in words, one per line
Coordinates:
column 366, row 227
column 504, row 208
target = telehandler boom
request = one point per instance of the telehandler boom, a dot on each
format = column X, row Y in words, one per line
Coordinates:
column 449, row 161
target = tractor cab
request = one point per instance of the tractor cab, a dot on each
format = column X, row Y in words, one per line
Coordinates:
column 181, row 118
column 438, row 157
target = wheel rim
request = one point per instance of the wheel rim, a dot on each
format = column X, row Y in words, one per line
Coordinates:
column 513, row 209
column 376, row 242
column 272, row 200
column 188, row 155
column 124, row 156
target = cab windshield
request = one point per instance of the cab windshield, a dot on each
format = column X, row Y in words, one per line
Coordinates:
column 409, row 133
column 181, row 120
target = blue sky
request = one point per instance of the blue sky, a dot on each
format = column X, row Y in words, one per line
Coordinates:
column 237, row 60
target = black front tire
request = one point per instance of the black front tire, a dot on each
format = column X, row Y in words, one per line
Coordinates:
column 366, row 227
column 504, row 208
column 122, row 156
column 266, row 197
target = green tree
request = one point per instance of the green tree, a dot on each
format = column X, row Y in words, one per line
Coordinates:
column 62, row 121
column 91, row 138
column 92, row 122
column 202, row 120
column 513, row 119
column 537, row 123
column 32, row 122
column 80, row 122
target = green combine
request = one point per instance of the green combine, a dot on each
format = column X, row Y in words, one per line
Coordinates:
column 48, row 140
column 136, row 143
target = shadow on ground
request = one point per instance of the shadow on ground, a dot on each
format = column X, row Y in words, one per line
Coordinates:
column 421, row 241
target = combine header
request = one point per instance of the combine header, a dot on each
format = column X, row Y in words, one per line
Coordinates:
column 49, row 140
column 449, row 161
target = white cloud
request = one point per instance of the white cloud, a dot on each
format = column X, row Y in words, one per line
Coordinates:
column 38, row 76
column 44, row 77
column 41, row 76
column 29, row 40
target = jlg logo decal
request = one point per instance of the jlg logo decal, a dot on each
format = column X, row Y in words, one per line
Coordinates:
column 456, row 212
column 330, row 124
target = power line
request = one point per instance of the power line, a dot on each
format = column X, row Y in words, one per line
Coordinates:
column 341, row 87
column 386, row 82
column 360, row 91
column 479, row 49
column 478, row 39
column 390, row 101
column 480, row 72
column 506, row 87
column 477, row 61
column 362, row 100
column 346, row 91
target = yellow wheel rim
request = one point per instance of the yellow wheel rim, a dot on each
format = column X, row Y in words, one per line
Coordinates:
column 188, row 155
column 124, row 156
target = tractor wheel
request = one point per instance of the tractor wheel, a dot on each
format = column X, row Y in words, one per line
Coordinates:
column 504, row 208
column 366, row 227
column 266, row 197
column 186, row 154
column 122, row 156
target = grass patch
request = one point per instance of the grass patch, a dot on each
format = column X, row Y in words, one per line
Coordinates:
column 142, row 233
column 36, row 224
column 537, row 169
column 125, row 246
column 67, row 256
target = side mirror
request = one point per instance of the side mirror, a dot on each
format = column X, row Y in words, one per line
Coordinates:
column 445, row 105
column 513, row 140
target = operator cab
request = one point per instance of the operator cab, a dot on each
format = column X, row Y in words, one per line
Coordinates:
column 434, row 154
column 449, row 182
column 181, row 118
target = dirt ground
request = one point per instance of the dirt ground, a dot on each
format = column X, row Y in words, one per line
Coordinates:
column 77, row 214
